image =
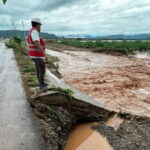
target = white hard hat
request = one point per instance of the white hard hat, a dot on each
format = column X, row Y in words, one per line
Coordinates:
column 36, row 20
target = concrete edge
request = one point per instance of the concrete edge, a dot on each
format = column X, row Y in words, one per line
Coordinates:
column 52, row 79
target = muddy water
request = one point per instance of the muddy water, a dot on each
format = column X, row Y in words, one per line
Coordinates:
column 142, row 55
column 120, row 83
column 84, row 138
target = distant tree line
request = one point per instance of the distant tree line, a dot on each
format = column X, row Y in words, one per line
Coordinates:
column 128, row 46
column 21, row 34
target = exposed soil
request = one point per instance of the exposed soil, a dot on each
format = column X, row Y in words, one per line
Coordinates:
column 56, row 127
column 133, row 134
column 121, row 83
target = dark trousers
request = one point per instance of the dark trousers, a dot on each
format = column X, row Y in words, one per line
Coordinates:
column 40, row 70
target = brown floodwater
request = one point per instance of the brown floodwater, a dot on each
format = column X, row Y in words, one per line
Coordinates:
column 84, row 138
column 120, row 83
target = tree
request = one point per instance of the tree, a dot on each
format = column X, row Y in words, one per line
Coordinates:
column 4, row 1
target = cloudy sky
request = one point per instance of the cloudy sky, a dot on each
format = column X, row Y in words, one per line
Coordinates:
column 96, row 17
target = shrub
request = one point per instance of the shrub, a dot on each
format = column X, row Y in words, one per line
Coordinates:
column 128, row 46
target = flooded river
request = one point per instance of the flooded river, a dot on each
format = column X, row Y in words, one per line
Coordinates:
column 142, row 55
column 120, row 83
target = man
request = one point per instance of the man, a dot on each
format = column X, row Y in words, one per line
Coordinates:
column 37, row 51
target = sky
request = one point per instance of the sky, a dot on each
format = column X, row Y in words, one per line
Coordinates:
column 65, row 17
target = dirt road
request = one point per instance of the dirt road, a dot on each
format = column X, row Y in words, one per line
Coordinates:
column 120, row 83
column 18, row 129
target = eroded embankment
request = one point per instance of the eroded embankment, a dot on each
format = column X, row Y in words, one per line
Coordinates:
column 58, row 114
column 64, row 114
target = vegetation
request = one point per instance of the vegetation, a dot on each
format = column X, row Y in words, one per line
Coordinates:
column 54, row 43
column 67, row 91
column 25, row 64
column 53, row 114
column 4, row 1
column 14, row 42
column 128, row 46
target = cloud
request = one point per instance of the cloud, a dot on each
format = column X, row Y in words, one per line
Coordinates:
column 49, row 5
column 98, row 17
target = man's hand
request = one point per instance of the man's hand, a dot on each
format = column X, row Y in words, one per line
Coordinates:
column 38, row 45
column 46, row 58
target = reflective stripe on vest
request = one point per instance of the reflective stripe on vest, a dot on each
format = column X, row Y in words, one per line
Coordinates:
column 34, row 49
column 31, row 45
column 34, row 45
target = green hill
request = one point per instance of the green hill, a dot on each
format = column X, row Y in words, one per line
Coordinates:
column 22, row 34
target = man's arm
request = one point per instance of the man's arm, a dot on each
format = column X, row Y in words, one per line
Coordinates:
column 38, row 45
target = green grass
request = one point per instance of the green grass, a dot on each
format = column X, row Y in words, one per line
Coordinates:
column 67, row 91
column 53, row 114
column 14, row 43
column 28, row 69
column 24, row 62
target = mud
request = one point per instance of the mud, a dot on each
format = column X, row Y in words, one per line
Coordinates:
column 84, row 138
column 121, row 83
column 133, row 133
column 57, row 123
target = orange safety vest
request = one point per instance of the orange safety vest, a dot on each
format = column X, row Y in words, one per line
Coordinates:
column 34, row 52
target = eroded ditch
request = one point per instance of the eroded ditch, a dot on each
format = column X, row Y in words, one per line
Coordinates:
column 58, row 117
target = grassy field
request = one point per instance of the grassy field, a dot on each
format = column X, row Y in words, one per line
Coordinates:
column 128, row 46
column 25, row 64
